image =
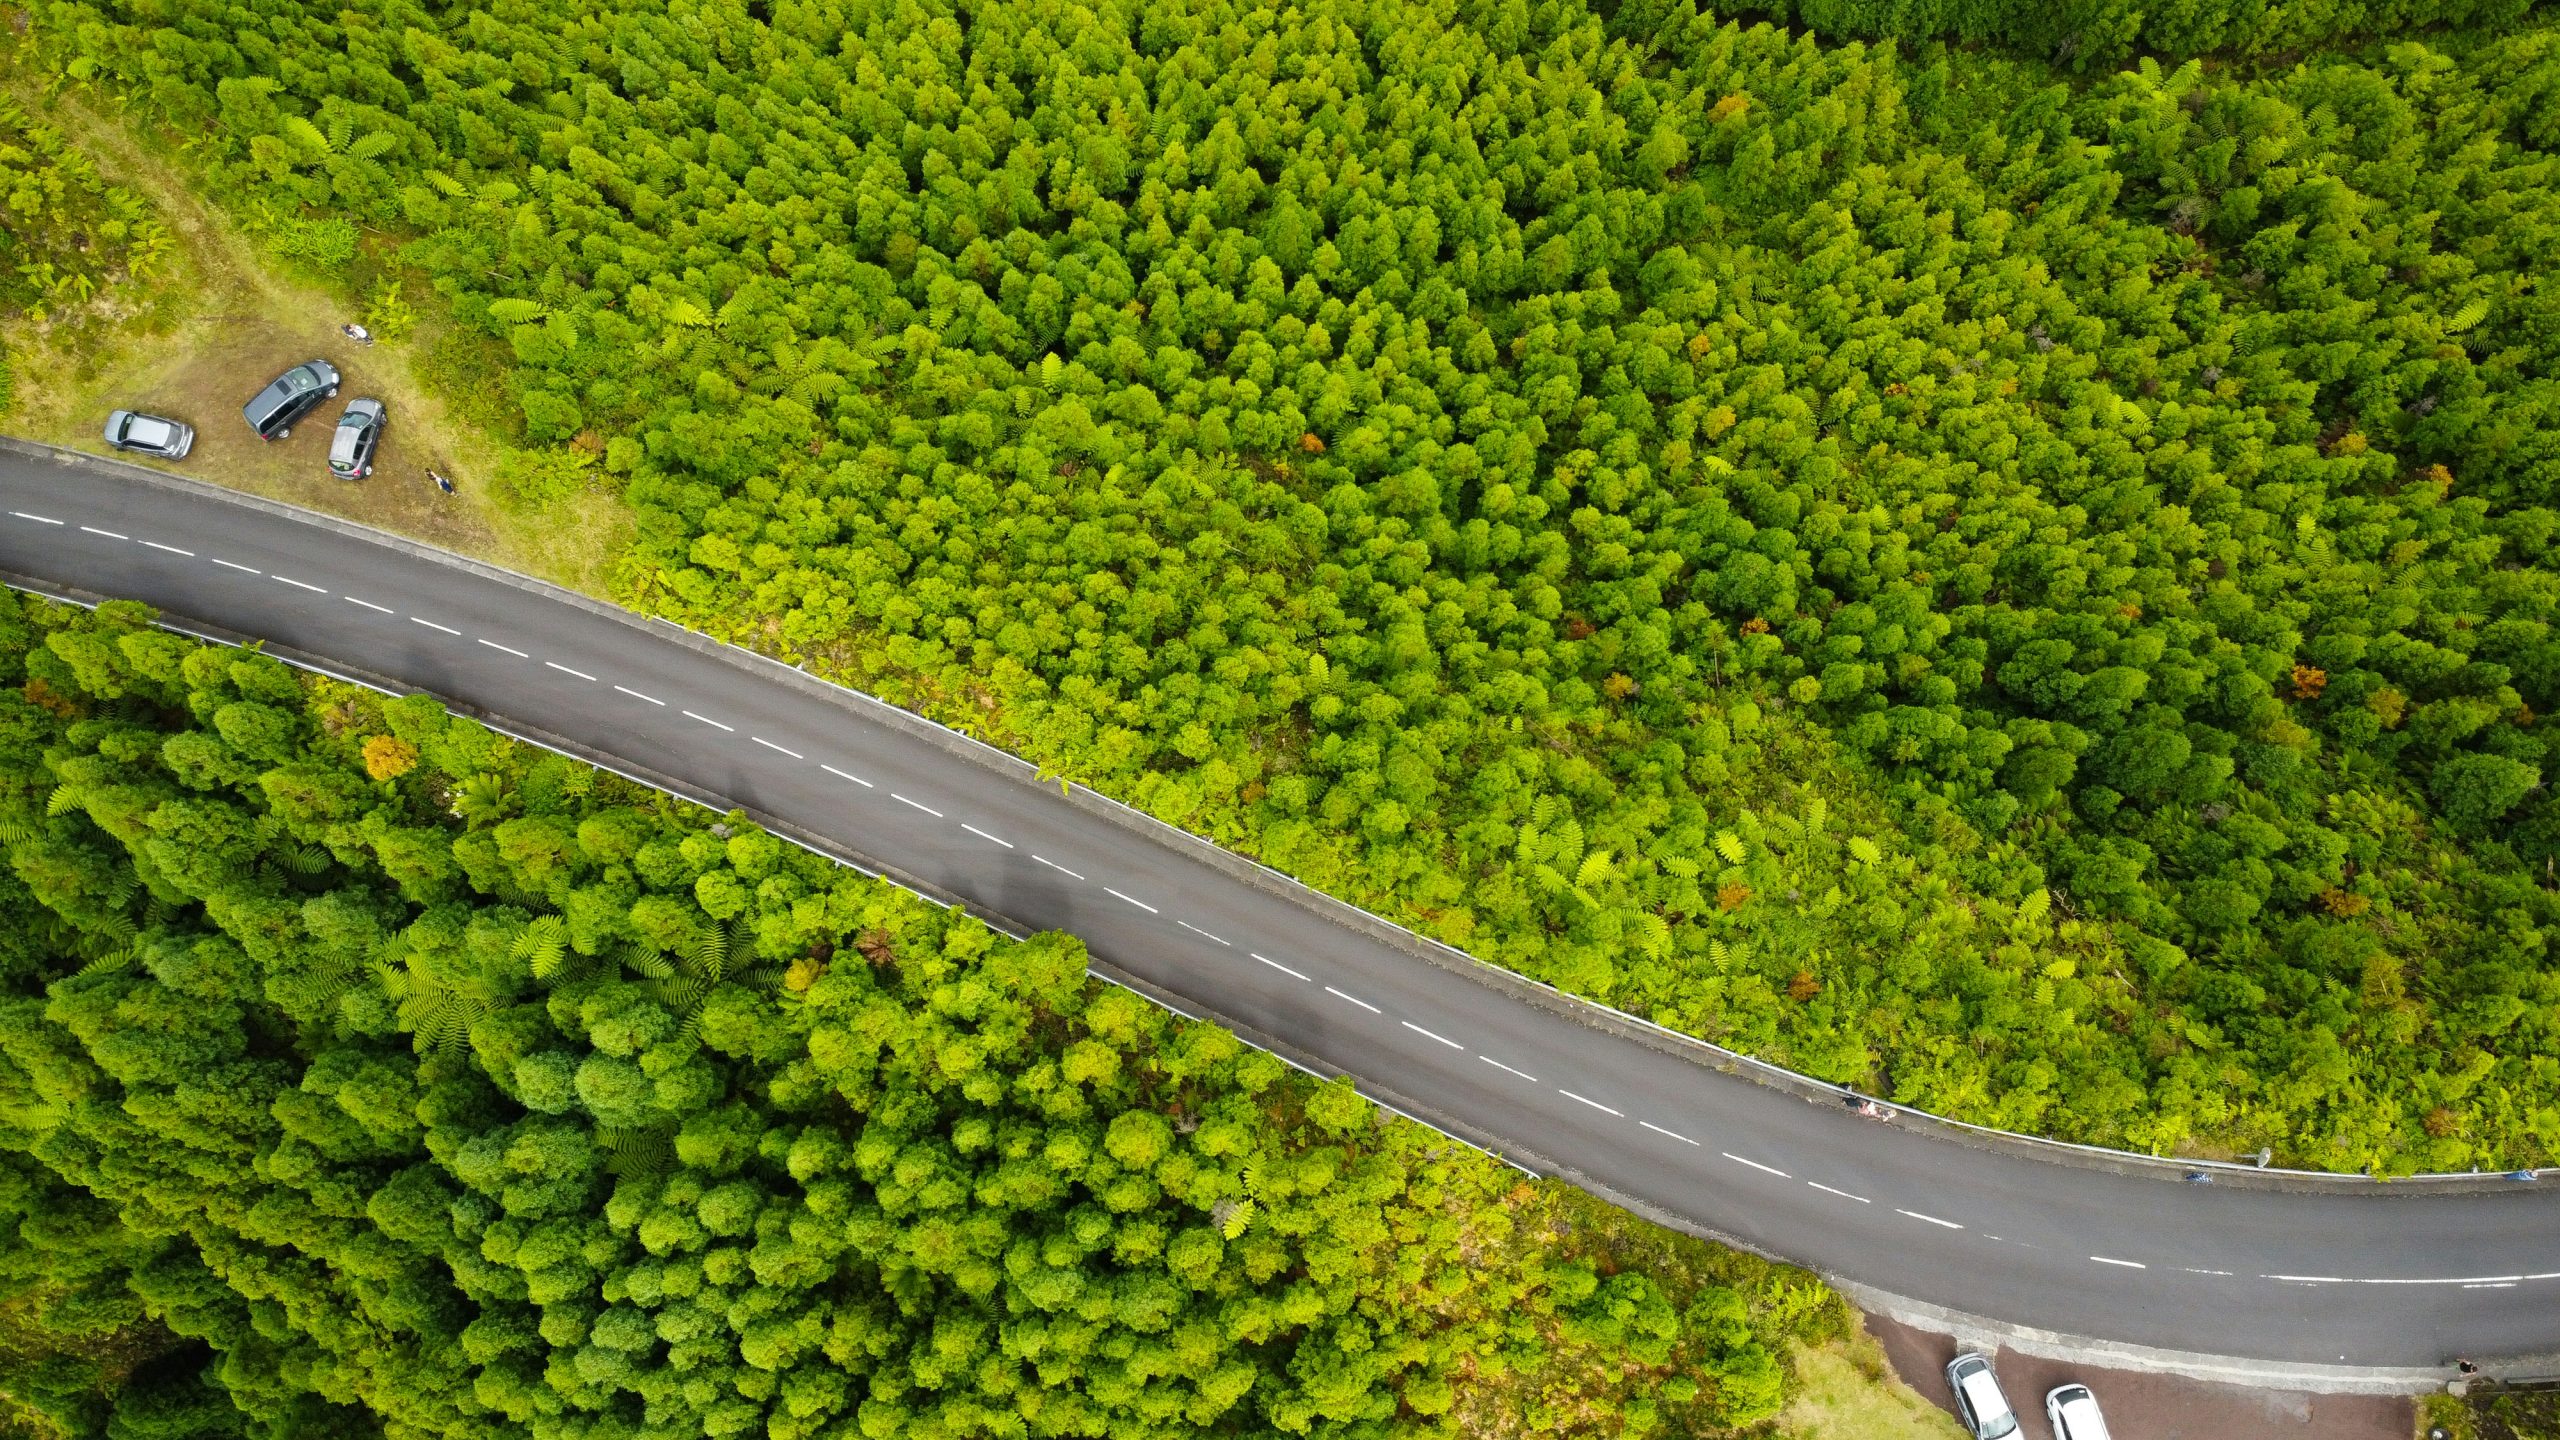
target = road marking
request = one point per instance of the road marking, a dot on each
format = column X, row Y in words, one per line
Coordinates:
column 1587, row 1100
column 983, row 835
column 2127, row 1264
column 510, row 649
column 2190, row 1269
column 565, row 670
column 298, row 585
column 225, row 564
column 1756, row 1165
column 1427, row 1035
column 2492, row 1285
column 1932, row 1219
column 769, row 745
column 1498, row 1065
column 1843, row 1194
column 1134, row 900
column 430, row 624
column 110, row 534
column 1265, row 959
column 2308, row 1279
column 1054, row 865
column 1185, row 924
column 707, row 720
column 856, row 779
column 172, row 549
column 636, row 695
column 369, row 605
column 929, row 810
column 39, row 519
column 1674, row 1134
column 1354, row 999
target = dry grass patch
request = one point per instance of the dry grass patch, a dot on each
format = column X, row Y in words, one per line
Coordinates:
column 1844, row 1390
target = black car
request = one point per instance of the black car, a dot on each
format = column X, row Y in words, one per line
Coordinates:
column 289, row 397
column 150, row 434
column 359, row 435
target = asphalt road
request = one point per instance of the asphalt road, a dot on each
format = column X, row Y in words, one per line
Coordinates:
column 2383, row 1278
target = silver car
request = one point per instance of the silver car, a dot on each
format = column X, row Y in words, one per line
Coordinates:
column 359, row 435
column 150, row 434
column 2073, row 1413
column 1979, row 1403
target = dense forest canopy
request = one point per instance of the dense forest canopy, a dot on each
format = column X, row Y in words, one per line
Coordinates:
column 2031, row 593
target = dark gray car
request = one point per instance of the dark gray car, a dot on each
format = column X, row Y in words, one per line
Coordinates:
column 150, row 434
column 359, row 435
column 290, row 396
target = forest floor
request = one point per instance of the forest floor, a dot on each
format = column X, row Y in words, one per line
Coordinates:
column 217, row 323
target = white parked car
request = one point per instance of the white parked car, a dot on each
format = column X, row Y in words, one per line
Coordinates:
column 2073, row 1412
column 1979, row 1403
column 150, row 434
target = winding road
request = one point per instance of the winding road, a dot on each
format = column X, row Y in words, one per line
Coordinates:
column 2380, row 1279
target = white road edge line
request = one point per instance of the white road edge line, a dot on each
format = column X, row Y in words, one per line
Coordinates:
column 430, row 624
column 1756, row 1165
column 903, row 800
column 1265, row 959
column 296, row 584
column 983, row 835
column 1134, row 900
column 39, row 519
column 110, row 534
column 636, row 695
column 769, row 745
column 1843, row 1194
column 1185, row 924
column 1498, row 1065
column 1594, row 1104
column 225, row 564
column 1932, row 1219
column 707, row 720
column 1674, row 1134
column 1054, row 865
column 565, row 670
column 856, row 779
column 2127, row 1264
column 1427, row 1035
column 1356, row 1000
column 510, row 649
column 172, row 549
column 350, row 599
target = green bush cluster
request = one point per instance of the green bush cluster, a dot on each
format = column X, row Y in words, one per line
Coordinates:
column 389, row 1078
column 66, row 234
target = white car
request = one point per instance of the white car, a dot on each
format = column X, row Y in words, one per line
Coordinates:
column 2073, row 1412
column 150, row 434
column 1979, row 1403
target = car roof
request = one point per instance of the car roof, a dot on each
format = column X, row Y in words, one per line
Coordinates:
column 342, row 446
column 2080, row 1414
column 1984, row 1393
column 149, row 428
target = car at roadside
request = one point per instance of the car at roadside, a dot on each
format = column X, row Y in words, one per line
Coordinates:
column 1979, row 1404
column 290, row 396
column 150, row 434
column 359, row 435
column 2073, row 1413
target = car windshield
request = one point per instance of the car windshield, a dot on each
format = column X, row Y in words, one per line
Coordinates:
column 342, row 450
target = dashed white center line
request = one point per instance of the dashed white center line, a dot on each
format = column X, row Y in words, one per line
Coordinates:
column 2308, row 1279
column 39, row 519
column 1427, row 1035
column 350, row 599
column 903, row 800
column 1594, row 1104
column 172, row 549
column 841, row 775
column 298, row 585
column 2190, row 1269
column 1354, row 999
column 707, row 720
column 430, row 624
column 226, row 564
column 565, row 670
column 636, row 695
column 2125, row 1264
column 110, row 534
column 1674, row 1134
column 1843, row 1194
column 1932, row 1219
column 1756, row 1165
column 1134, row 900
column 769, row 745
column 509, row 649
column 983, row 835
column 2491, row 1285
column 1054, row 865
column 1498, row 1065
column 1265, row 959
column 1196, row 930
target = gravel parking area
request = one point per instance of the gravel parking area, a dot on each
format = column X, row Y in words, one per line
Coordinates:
column 2150, row 1406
